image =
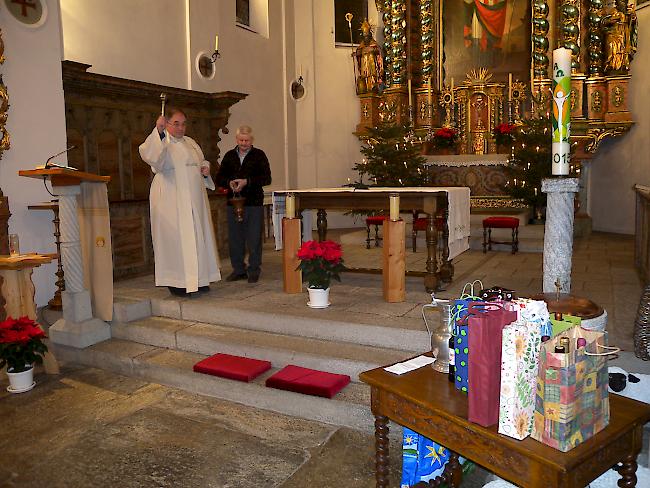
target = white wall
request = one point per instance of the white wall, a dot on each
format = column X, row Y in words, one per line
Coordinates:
column 36, row 123
column 623, row 162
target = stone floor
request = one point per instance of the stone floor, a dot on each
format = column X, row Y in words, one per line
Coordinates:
column 87, row 427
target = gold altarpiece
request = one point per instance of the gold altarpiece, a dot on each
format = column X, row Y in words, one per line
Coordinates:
column 418, row 63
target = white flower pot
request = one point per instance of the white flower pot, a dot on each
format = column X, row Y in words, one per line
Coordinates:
column 318, row 298
column 21, row 382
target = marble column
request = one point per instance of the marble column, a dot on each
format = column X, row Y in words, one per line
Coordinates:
column 78, row 327
column 558, row 233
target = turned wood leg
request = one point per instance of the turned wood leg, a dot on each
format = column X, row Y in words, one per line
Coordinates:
column 446, row 269
column 321, row 224
column 627, row 472
column 382, row 468
column 484, row 240
column 377, row 236
column 431, row 279
column 368, row 237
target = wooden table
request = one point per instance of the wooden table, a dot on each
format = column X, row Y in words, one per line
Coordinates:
column 425, row 401
column 431, row 201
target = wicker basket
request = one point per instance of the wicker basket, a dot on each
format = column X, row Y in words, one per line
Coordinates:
column 642, row 327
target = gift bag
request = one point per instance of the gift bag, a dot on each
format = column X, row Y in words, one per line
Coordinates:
column 460, row 313
column 533, row 311
column 519, row 366
column 484, row 372
column 562, row 322
column 422, row 459
column 571, row 401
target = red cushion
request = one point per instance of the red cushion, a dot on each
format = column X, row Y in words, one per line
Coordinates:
column 501, row 222
column 421, row 223
column 375, row 219
column 233, row 367
column 308, row 381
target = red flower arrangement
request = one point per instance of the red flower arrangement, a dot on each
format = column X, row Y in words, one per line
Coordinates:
column 320, row 262
column 445, row 137
column 21, row 344
column 504, row 134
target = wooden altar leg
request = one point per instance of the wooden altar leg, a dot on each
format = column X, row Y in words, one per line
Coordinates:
column 628, row 472
column 447, row 269
column 394, row 270
column 292, row 278
column 382, row 468
column 431, row 279
column 321, row 224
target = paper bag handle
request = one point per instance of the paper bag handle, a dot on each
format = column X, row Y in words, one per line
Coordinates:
column 472, row 294
column 611, row 350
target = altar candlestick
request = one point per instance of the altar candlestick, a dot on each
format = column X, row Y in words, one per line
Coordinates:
column 532, row 81
column 410, row 95
column 561, row 111
column 216, row 43
column 429, row 101
column 393, row 199
column 290, row 206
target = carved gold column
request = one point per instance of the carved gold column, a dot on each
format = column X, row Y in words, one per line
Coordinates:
column 398, row 42
column 384, row 6
column 595, row 43
column 570, row 30
column 427, row 38
column 540, row 81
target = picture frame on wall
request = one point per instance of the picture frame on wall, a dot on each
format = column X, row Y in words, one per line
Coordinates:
column 485, row 34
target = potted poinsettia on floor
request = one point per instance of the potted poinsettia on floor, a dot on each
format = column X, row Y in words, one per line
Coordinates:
column 320, row 263
column 21, row 346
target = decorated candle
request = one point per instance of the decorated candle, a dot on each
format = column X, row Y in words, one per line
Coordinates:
column 290, row 206
column 393, row 199
column 561, row 120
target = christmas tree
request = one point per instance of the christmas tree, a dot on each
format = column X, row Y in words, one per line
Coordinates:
column 392, row 157
column 530, row 162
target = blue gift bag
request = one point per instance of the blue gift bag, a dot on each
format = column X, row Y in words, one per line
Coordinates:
column 422, row 459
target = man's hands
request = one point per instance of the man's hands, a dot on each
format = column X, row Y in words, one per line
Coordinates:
column 238, row 185
column 160, row 124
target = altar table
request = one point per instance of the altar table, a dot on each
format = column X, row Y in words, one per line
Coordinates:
column 426, row 402
column 430, row 200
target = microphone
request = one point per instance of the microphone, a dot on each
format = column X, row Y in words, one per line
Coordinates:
column 47, row 163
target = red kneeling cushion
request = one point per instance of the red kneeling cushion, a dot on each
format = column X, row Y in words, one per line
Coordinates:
column 421, row 223
column 375, row 219
column 501, row 222
column 309, row 381
column 233, row 367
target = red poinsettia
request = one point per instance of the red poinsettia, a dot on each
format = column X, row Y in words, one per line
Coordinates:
column 445, row 137
column 504, row 134
column 21, row 344
column 320, row 262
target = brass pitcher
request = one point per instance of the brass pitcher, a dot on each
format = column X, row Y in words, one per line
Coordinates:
column 237, row 202
column 441, row 334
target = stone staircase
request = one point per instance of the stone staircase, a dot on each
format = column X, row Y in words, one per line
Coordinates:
column 158, row 338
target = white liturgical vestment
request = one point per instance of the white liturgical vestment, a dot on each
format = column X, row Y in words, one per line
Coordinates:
column 184, row 245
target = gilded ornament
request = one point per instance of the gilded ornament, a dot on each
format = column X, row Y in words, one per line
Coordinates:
column 574, row 98
column 365, row 111
column 597, row 101
column 618, row 96
column 387, row 111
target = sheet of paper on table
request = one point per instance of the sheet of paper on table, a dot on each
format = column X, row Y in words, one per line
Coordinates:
column 410, row 365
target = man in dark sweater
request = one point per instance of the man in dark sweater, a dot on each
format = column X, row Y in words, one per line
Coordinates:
column 244, row 172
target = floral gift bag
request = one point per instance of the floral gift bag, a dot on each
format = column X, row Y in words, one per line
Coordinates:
column 519, row 365
column 533, row 311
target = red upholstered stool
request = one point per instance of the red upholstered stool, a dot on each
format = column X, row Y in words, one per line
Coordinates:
column 500, row 223
column 420, row 224
column 375, row 220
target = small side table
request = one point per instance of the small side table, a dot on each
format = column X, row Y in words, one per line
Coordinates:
column 55, row 302
column 17, row 293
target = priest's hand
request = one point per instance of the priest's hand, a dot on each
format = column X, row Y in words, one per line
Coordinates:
column 160, row 124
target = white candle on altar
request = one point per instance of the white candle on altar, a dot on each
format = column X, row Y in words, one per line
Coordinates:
column 393, row 200
column 216, row 43
column 509, row 86
column 429, row 101
column 290, row 206
column 410, row 94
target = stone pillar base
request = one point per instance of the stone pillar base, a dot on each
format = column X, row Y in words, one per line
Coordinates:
column 79, row 334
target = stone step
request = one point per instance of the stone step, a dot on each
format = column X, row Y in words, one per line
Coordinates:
column 349, row 408
column 281, row 349
column 280, row 313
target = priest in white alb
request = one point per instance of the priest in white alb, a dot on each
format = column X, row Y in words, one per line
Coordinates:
column 184, row 245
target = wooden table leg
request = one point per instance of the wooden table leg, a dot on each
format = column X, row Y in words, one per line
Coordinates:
column 321, row 224
column 431, row 279
column 447, row 269
column 628, row 472
column 382, row 468
column 291, row 277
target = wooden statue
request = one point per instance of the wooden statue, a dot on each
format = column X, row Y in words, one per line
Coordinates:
column 620, row 26
column 369, row 61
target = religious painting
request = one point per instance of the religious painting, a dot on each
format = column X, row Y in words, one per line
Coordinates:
column 491, row 34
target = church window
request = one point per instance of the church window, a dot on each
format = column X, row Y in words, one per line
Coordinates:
column 253, row 15
column 359, row 11
column 243, row 12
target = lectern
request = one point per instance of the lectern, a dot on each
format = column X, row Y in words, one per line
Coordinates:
column 78, row 327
